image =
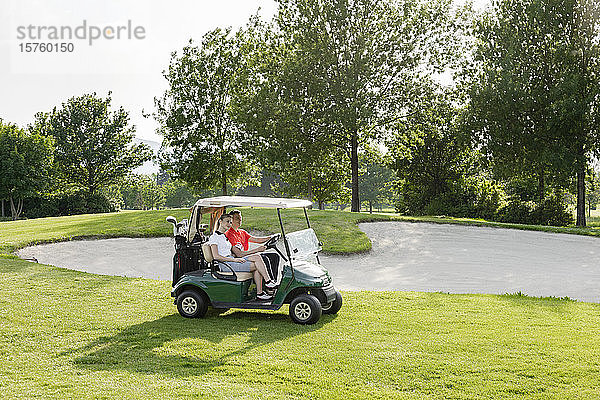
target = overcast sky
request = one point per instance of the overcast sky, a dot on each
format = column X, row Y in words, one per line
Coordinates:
column 130, row 67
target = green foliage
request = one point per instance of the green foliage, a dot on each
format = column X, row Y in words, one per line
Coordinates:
column 25, row 159
column 375, row 178
column 141, row 192
column 277, row 108
column 439, row 174
column 202, row 144
column 178, row 194
column 534, row 89
column 320, row 180
column 592, row 195
column 472, row 197
column 552, row 211
column 518, row 212
column 93, row 145
column 523, row 187
column 337, row 74
column 54, row 205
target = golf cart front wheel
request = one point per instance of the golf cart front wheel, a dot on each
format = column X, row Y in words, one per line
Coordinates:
column 305, row 309
column 191, row 304
column 334, row 306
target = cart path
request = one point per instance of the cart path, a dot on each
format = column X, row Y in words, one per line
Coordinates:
column 405, row 256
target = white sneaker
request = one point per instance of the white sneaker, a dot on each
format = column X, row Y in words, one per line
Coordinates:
column 271, row 284
column 264, row 296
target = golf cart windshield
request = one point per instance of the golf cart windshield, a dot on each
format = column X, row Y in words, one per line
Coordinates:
column 304, row 244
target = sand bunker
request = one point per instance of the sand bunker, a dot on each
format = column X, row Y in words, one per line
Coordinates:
column 405, row 256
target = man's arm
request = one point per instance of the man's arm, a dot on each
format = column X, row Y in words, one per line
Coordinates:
column 259, row 239
column 241, row 253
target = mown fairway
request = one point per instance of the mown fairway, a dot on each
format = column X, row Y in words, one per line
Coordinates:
column 66, row 334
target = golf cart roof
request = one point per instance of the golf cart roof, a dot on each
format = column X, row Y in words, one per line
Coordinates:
column 243, row 201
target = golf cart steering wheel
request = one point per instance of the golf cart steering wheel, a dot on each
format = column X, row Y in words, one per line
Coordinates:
column 269, row 244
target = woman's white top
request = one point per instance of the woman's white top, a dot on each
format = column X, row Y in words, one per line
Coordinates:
column 223, row 245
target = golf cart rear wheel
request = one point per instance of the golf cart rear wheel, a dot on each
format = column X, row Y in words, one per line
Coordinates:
column 191, row 304
column 305, row 309
column 334, row 306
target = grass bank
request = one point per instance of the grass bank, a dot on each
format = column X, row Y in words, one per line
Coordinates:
column 338, row 230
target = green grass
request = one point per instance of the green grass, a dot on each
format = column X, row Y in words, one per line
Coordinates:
column 338, row 230
column 21, row 233
column 67, row 334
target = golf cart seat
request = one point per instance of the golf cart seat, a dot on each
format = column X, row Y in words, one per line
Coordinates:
column 221, row 270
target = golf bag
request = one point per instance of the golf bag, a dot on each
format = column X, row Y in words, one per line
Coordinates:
column 186, row 259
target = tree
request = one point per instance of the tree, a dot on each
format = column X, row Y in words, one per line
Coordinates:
column 25, row 159
column 361, row 62
column 592, row 191
column 376, row 179
column 581, row 77
column 151, row 195
column 324, row 178
column 426, row 153
column 141, row 192
column 93, row 145
column 439, row 173
column 202, row 144
column 284, row 122
column 535, row 89
column 178, row 194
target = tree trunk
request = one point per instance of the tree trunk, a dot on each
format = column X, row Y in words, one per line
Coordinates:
column 541, row 185
column 224, row 180
column 15, row 210
column 354, row 165
column 321, row 205
column 310, row 186
column 3, row 215
column 581, row 197
column 370, row 206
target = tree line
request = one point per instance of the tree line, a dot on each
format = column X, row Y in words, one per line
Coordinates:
column 306, row 94
column 63, row 161
column 341, row 101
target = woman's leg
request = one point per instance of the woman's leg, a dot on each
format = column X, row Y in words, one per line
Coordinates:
column 258, row 262
column 258, row 280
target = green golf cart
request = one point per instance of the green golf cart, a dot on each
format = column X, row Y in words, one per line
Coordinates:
column 292, row 259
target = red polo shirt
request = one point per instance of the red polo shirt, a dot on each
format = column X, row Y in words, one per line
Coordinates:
column 238, row 238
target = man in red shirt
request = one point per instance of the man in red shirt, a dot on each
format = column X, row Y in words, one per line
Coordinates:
column 239, row 238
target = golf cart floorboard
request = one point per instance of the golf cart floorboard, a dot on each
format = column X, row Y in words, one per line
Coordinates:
column 252, row 304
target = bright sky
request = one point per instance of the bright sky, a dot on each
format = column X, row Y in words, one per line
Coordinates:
column 131, row 68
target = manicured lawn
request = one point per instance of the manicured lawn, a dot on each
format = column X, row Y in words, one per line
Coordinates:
column 67, row 334
column 337, row 230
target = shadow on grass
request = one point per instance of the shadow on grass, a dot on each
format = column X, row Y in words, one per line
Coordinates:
column 175, row 346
